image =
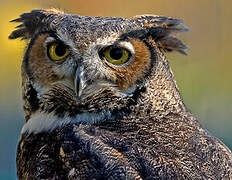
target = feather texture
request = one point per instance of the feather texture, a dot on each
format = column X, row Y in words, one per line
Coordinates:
column 132, row 122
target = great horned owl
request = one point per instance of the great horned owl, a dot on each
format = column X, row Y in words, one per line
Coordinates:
column 101, row 102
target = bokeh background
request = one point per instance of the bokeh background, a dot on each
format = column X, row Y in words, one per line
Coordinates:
column 204, row 76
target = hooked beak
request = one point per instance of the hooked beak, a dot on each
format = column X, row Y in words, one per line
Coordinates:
column 85, row 85
column 78, row 81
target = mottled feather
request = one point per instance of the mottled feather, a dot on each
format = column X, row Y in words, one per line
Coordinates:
column 87, row 118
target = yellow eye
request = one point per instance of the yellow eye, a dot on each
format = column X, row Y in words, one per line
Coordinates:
column 116, row 55
column 57, row 51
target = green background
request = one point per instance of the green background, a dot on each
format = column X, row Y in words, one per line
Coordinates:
column 204, row 76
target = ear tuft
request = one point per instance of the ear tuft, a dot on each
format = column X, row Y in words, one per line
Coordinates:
column 31, row 23
column 171, row 43
column 163, row 30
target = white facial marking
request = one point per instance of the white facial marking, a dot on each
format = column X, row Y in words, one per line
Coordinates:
column 48, row 40
column 46, row 122
column 128, row 46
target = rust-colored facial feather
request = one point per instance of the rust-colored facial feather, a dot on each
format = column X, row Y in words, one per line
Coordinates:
column 126, row 76
column 39, row 65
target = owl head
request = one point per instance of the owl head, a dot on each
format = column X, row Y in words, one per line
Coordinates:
column 90, row 68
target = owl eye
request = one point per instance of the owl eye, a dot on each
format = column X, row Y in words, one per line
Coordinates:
column 57, row 51
column 116, row 55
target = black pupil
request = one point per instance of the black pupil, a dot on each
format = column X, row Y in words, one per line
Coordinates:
column 60, row 50
column 116, row 53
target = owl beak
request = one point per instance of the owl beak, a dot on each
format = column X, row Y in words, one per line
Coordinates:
column 79, row 81
column 84, row 86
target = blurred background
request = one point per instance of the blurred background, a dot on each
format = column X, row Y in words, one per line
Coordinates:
column 204, row 76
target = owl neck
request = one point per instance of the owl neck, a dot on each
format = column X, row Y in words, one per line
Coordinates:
column 162, row 95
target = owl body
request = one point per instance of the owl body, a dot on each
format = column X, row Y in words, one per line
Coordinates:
column 101, row 102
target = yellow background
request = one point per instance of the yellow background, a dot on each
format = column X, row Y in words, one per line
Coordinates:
column 204, row 76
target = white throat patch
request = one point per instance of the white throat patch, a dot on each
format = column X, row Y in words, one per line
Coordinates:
column 46, row 122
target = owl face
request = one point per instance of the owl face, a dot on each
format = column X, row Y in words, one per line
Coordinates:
column 76, row 64
column 108, row 63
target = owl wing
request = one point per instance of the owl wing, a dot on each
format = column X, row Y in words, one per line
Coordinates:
column 71, row 153
column 90, row 152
